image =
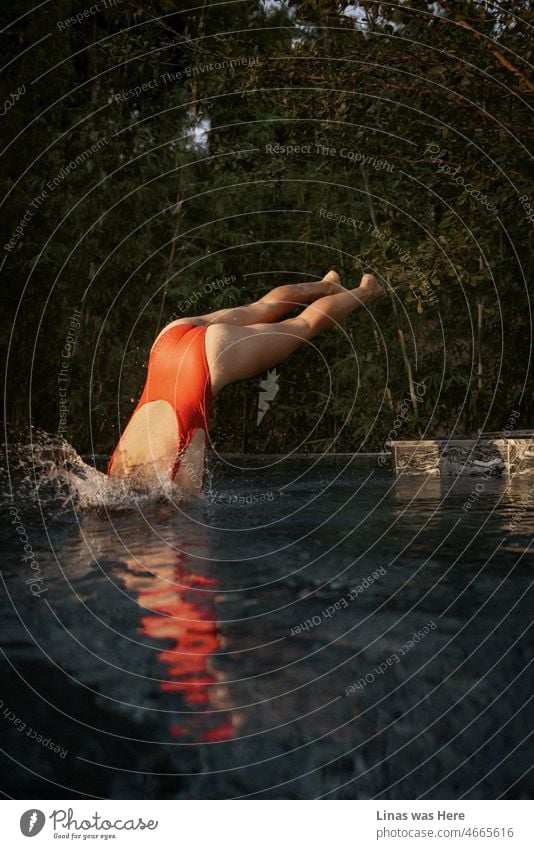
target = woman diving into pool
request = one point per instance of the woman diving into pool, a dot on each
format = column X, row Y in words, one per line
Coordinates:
column 194, row 358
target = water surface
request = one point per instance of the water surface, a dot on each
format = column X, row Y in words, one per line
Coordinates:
column 259, row 642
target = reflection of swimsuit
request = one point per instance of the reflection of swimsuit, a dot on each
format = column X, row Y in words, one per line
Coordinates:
column 178, row 373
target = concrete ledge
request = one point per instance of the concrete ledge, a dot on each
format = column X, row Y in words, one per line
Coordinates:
column 380, row 461
column 483, row 455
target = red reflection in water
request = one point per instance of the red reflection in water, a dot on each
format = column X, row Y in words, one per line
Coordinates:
column 183, row 611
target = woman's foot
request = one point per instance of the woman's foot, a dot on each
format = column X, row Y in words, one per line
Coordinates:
column 296, row 294
column 372, row 288
column 331, row 283
column 309, row 292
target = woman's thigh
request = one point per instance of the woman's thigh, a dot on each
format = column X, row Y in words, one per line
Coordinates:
column 148, row 444
column 237, row 353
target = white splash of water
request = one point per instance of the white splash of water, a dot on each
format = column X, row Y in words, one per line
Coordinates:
column 47, row 471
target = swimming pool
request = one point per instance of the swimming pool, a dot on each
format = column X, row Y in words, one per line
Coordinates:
column 311, row 627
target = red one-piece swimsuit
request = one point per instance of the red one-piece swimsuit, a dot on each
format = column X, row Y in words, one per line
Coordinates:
column 178, row 372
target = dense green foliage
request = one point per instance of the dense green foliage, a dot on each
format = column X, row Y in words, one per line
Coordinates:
column 189, row 183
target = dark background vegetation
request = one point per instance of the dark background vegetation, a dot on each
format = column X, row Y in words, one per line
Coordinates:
column 184, row 193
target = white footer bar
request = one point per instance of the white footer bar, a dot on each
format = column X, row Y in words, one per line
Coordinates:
column 267, row 824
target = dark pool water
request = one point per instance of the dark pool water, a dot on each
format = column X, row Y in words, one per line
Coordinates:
column 239, row 645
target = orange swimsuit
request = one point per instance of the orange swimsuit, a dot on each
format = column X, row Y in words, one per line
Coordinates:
column 178, row 372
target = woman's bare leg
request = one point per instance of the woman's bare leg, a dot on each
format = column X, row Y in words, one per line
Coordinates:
column 271, row 307
column 276, row 303
column 237, row 353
